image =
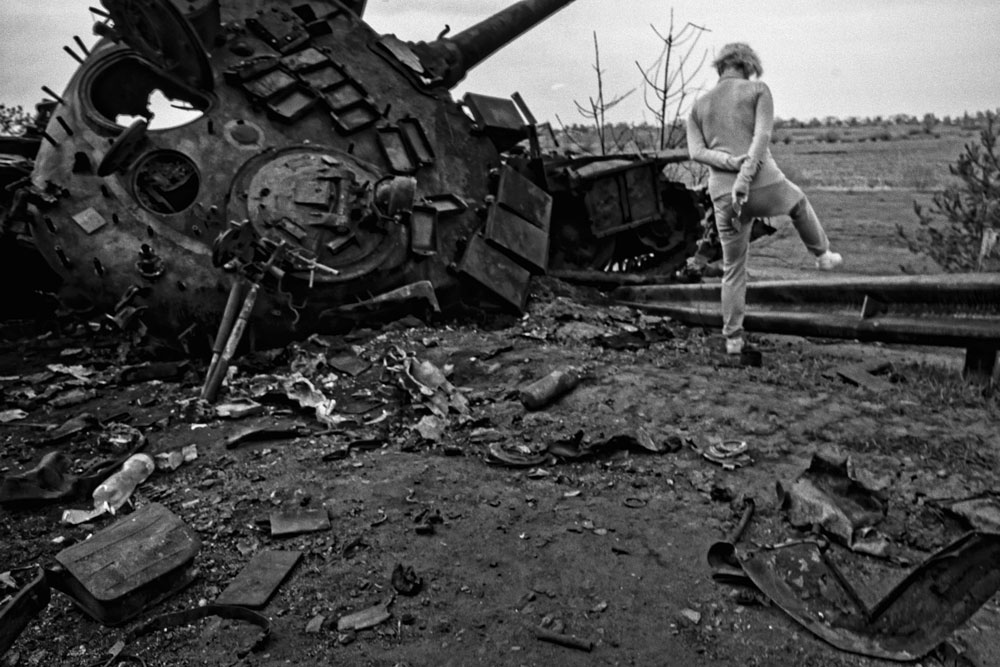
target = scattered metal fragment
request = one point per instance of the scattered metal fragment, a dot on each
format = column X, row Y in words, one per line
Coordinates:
column 861, row 375
column 366, row 618
column 569, row 641
column 550, row 388
column 265, row 433
column 238, row 409
column 981, row 513
column 161, row 370
column 300, row 520
column 71, row 427
column 835, row 496
column 730, row 454
column 722, row 555
column 428, row 385
column 302, row 391
column 577, row 446
column 188, row 616
column 72, row 397
column 12, row 415
column 633, row 340
column 430, row 428
column 405, row 581
column 21, row 610
column 121, row 438
column 174, row 459
column 258, row 581
column 517, row 456
column 347, row 363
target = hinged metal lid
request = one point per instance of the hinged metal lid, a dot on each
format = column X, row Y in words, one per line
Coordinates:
column 158, row 31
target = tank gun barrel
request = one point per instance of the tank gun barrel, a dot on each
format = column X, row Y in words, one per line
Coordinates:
column 449, row 59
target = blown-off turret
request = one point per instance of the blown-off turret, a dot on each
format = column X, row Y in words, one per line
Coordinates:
column 327, row 164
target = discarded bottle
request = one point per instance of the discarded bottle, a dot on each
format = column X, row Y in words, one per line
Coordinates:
column 115, row 490
column 541, row 392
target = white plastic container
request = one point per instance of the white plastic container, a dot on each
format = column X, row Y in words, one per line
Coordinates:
column 115, row 490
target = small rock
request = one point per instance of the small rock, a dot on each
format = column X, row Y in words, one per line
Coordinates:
column 315, row 624
column 691, row 616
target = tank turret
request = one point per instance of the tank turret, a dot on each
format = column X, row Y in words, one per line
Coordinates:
column 323, row 162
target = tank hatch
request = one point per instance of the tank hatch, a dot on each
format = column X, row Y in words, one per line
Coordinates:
column 158, row 31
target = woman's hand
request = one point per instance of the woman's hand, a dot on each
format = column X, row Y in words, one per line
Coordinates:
column 741, row 192
column 735, row 162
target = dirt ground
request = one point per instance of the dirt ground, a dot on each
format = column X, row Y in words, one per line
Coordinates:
column 609, row 548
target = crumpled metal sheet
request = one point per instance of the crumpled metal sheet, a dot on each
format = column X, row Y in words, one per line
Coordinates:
column 427, row 385
column 909, row 622
column 577, row 447
column 845, row 502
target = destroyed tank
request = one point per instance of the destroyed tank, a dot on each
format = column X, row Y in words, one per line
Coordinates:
column 329, row 166
column 23, row 272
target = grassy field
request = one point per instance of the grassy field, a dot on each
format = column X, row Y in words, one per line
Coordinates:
column 864, row 191
column 862, row 225
column 917, row 162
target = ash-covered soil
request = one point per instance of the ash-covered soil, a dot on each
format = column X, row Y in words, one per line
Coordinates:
column 609, row 547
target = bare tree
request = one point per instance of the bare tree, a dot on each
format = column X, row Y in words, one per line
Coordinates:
column 596, row 109
column 667, row 87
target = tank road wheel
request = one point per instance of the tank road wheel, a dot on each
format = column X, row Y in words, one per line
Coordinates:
column 672, row 239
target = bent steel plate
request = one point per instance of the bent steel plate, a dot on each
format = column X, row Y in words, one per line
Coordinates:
column 916, row 615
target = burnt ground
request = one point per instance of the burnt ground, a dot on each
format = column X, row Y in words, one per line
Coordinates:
column 610, row 548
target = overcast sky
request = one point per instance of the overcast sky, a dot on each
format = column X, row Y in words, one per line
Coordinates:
column 831, row 58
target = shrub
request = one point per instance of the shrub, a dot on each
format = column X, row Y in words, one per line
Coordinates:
column 830, row 136
column 14, row 120
column 951, row 232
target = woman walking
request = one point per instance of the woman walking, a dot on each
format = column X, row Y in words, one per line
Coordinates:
column 729, row 129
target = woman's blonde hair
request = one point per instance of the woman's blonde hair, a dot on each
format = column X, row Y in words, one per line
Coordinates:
column 740, row 56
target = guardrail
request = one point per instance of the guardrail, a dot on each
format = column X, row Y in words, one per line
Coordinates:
column 944, row 310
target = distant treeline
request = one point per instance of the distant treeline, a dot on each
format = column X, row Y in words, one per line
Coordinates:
column 644, row 137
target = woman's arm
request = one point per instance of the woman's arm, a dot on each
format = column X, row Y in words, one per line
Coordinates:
column 762, row 128
column 700, row 152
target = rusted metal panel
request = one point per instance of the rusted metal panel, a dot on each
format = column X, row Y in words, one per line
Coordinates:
column 514, row 233
column 496, row 271
column 622, row 198
column 122, row 569
column 517, row 193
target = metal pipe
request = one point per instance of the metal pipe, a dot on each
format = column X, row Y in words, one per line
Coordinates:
column 450, row 59
column 225, row 328
column 480, row 41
